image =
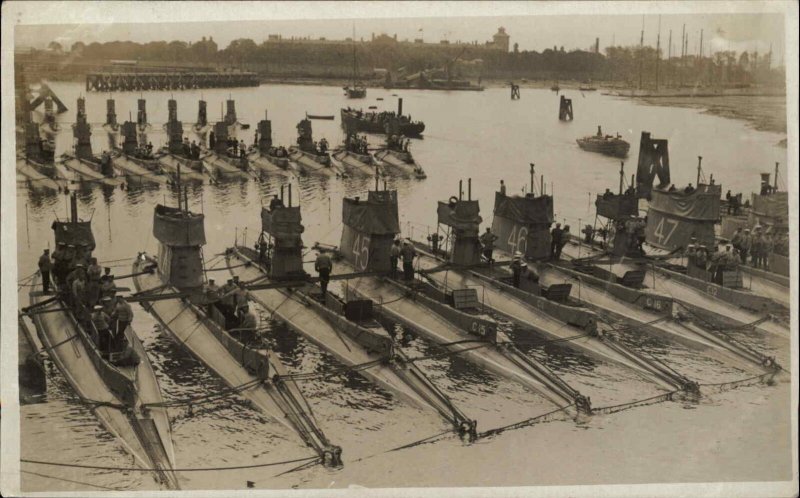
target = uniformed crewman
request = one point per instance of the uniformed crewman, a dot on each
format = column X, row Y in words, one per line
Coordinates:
column 518, row 267
column 487, row 240
column 555, row 240
column 394, row 258
column 107, row 286
column 60, row 263
column 248, row 324
column 323, row 266
column 45, row 267
column 124, row 315
column 409, row 253
column 100, row 320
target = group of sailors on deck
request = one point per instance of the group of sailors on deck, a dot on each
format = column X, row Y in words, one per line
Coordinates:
column 756, row 246
column 91, row 294
column 191, row 150
column 715, row 261
column 399, row 144
column 232, row 301
column 143, row 151
column 356, row 144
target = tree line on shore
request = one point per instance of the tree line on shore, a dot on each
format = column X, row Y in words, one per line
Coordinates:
column 632, row 66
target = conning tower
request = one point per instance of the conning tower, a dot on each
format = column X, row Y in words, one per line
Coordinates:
column 522, row 223
column 181, row 235
column 464, row 219
column 264, row 134
column 369, row 227
column 174, row 129
column 283, row 223
column 82, row 132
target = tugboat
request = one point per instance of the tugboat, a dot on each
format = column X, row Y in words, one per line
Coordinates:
column 605, row 144
column 309, row 156
column 376, row 122
column 104, row 361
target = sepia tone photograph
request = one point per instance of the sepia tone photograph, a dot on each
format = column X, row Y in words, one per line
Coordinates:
column 456, row 248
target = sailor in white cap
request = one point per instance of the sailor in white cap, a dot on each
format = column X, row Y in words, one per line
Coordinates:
column 518, row 266
column 409, row 253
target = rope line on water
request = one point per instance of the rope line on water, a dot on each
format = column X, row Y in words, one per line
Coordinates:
column 146, row 469
column 82, row 483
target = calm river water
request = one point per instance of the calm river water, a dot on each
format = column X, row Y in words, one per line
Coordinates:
column 740, row 435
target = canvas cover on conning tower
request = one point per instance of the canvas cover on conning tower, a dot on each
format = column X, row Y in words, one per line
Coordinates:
column 527, row 210
column 700, row 205
column 462, row 215
column 377, row 215
column 174, row 227
column 773, row 205
column 282, row 221
column 78, row 233
column 674, row 218
column 616, row 207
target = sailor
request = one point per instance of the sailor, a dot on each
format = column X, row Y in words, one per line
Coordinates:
column 564, row 238
column 671, row 188
column 323, row 145
column 555, row 240
column 262, row 250
column 701, row 257
column 588, row 233
column 239, row 296
column 187, row 149
column 736, row 241
column 226, row 298
column 275, row 202
column 60, row 263
column 434, row 239
column 502, row 188
column 323, row 266
column 106, row 275
column 409, row 253
column 487, row 239
column 394, row 257
column 124, row 315
column 689, row 189
column 149, row 149
column 107, row 287
column 248, row 324
column 212, row 140
column 195, row 150
column 242, row 148
column 518, row 266
column 757, row 248
column 599, row 131
column 45, row 267
column 690, row 252
column 745, row 245
column 255, row 139
column 211, row 292
column 100, row 322
column 607, row 194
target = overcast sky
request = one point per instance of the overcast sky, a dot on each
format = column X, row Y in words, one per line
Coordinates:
column 532, row 32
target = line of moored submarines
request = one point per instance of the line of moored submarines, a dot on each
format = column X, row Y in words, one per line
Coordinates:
column 219, row 153
column 516, row 265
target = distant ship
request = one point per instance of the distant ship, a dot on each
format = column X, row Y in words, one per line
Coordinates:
column 604, row 144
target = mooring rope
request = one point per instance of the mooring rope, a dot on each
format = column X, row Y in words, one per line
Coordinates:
column 161, row 469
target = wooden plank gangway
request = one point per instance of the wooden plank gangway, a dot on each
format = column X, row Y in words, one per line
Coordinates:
column 130, row 82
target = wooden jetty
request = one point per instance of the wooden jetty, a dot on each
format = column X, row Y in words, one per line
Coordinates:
column 138, row 82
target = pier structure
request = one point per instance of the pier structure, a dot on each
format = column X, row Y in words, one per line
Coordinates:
column 135, row 82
